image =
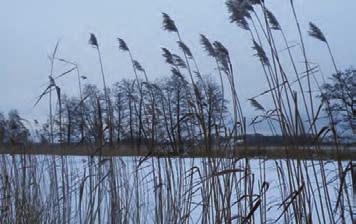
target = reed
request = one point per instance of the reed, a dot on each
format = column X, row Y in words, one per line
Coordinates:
column 166, row 121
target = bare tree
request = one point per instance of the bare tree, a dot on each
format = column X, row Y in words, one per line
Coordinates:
column 340, row 93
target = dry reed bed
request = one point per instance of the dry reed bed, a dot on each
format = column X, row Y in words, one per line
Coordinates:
column 60, row 189
column 54, row 189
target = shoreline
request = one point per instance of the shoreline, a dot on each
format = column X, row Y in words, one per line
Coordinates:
column 125, row 150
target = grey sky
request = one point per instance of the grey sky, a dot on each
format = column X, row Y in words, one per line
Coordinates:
column 30, row 29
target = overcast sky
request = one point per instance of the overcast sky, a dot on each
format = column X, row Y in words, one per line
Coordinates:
column 30, row 30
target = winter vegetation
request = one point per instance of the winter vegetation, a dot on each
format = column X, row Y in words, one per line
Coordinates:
column 188, row 155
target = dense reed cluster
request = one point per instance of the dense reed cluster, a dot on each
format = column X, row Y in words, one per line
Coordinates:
column 46, row 189
column 180, row 112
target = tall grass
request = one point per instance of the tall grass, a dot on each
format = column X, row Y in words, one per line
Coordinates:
column 187, row 111
column 161, row 190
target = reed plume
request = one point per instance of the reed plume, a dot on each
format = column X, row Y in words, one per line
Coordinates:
column 168, row 23
column 207, row 45
column 256, row 104
column 274, row 24
column 260, row 53
column 185, row 49
column 93, row 41
column 122, row 45
column 239, row 12
column 315, row 32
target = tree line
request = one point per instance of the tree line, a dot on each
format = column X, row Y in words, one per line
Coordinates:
column 141, row 112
